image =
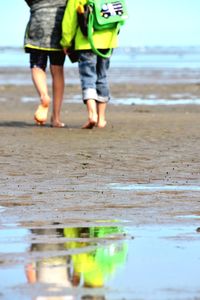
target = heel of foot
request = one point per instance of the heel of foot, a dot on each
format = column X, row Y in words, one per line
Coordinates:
column 40, row 115
column 102, row 124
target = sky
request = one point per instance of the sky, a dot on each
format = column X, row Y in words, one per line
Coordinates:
column 150, row 23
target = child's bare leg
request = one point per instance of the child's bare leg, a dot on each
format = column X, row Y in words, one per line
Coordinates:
column 101, row 108
column 57, row 73
column 92, row 114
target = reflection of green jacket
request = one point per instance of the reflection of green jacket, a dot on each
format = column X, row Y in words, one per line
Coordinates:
column 102, row 39
column 97, row 266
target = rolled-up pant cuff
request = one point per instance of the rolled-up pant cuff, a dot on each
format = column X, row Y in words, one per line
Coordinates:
column 92, row 94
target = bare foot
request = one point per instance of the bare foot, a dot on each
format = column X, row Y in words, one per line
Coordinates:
column 57, row 123
column 40, row 115
column 92, row 114
column 101, row 124
column 89, row 124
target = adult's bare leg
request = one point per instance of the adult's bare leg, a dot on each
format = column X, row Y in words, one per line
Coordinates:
column 40, row 82
column 57, row 73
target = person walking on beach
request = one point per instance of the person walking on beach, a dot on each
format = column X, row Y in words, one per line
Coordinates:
column 92, row 68
column 42, row 42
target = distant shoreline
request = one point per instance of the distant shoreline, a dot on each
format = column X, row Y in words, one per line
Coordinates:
column 137, row 49
column 163, row 58
column 134, row 78
column 144, row 89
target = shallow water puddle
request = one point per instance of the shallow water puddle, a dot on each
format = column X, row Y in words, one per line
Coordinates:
column 131, row 101
column 149, row 187
column 113, row 262
column 189, row 217
column 2, row 209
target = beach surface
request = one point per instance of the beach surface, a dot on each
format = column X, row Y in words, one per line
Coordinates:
column 70, row 170
column 143, row 168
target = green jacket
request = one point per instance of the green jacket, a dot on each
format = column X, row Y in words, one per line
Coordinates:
column 70, row 31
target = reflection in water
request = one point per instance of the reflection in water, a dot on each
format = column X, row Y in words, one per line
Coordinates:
column 93, row 269
column 157, row 266
column 95, row 255
column 149, row 187
column 52, row 270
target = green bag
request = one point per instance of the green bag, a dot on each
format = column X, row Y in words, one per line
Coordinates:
column 101, row 15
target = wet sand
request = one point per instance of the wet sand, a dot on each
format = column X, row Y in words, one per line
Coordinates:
column 70, row 169
column 65, row 176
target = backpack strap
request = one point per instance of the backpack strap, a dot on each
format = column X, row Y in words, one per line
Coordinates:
column 90, row 37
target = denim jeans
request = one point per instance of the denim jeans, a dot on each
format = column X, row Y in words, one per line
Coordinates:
column 93, row 75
